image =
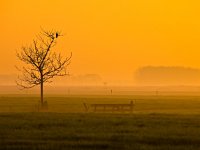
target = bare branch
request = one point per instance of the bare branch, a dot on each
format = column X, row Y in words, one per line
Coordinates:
column 42, row 63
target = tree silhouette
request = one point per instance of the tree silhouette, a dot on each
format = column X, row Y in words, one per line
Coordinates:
column 42, row 63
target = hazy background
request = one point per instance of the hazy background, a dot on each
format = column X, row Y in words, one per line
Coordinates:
column 114, row 42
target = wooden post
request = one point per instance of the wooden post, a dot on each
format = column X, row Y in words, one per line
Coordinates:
column 86, row 107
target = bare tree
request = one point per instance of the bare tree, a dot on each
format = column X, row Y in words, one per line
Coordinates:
column 42, row 63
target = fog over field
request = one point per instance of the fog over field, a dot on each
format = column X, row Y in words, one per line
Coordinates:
column 162, row 75
column 146, row 80
column 100, row 75
column 144, row 76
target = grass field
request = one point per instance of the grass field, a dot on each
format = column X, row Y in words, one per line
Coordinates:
column 74, row 104
column 99, row 131
column 158, row 122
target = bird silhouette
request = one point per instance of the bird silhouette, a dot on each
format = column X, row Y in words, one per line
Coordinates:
column 56, row 34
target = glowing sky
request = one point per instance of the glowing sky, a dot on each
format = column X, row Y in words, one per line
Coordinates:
column 111, row 38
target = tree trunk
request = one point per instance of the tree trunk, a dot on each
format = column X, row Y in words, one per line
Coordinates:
column 41, row 92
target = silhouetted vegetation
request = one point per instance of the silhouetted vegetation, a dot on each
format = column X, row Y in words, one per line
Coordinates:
column 42, row 64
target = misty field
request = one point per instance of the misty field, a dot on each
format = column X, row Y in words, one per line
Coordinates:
column 158, row 122
column 144, row 104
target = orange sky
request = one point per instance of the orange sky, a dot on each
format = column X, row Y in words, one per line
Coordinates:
column 111, row 38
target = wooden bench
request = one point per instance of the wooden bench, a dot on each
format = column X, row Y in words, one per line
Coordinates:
column 109, row 107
